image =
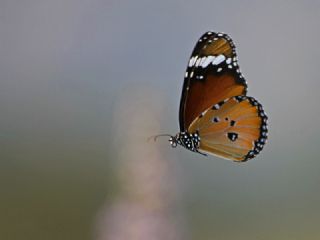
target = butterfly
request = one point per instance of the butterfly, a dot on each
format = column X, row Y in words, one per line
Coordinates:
column 216, row 116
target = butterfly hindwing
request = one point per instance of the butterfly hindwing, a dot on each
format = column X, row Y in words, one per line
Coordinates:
column 235, row 128
column 212, row 75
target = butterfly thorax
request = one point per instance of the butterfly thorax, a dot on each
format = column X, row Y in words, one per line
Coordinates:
column 190, row 141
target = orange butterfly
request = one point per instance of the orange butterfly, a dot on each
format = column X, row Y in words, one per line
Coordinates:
column 216, row 116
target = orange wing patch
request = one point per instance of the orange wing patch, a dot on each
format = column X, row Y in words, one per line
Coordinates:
column 212, row 90
column 232, row 129
column 221, row 46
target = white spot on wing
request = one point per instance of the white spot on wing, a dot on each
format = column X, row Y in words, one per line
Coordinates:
column 202, row 60
column 192, row 61
column 219, row 59
column 197, row 62
column 207, row 61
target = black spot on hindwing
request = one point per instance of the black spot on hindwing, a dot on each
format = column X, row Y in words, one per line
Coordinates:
column 232, row 136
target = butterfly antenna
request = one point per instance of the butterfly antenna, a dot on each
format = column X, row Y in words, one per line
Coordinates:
column 155, row 137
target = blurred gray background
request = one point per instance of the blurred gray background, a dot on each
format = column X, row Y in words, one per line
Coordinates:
column 84, row 83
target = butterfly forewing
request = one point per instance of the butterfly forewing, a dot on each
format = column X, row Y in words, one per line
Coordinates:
column 235, row 128
column 212, row 75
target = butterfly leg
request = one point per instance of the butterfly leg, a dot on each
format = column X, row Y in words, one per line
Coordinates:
column 201, row 153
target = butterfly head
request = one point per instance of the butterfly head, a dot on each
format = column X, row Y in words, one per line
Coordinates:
column 174, row 140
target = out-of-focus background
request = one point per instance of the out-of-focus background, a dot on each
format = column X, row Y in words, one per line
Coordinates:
column 84, row 83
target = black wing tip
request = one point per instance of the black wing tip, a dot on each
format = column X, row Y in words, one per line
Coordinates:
column 211, row 35
column 214, row 34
